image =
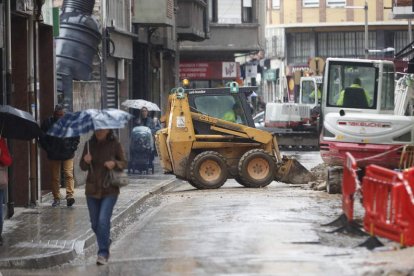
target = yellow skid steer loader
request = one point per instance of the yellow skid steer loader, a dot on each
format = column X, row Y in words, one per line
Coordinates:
column 199, row 147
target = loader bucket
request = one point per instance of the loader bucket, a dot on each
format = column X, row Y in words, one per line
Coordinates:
column 293, row 172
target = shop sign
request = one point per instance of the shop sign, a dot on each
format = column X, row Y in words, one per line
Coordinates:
column 214, row 70
column 270, row 75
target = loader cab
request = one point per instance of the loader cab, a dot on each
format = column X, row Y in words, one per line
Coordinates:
column 216, row 102
column 358, row 85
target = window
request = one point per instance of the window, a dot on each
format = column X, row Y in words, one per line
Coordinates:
column 247, row 12
column 343, row 75
column 231, row 11
column 118, row 14
column 309, row 91
column 275, row 4
column 387, row 91
column 299, row 49
column 217, row 106
column 335, row 3
column 310, row 3
column 212, row 10
column 344, row 44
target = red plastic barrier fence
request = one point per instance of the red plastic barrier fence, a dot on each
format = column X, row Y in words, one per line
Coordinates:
column 350, row 183
column 389, row 204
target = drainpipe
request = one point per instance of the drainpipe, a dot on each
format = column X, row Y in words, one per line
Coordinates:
column 104, row 90
column 33, row 33
column 6, row 99
column 35, row 188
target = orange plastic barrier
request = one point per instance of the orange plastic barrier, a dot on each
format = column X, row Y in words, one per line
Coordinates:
column 350, row 183
column 389, row 204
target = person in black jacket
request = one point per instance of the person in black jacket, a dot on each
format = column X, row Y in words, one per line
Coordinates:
column 60, row 152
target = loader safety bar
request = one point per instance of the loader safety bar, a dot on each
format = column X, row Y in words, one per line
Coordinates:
column 389, row 204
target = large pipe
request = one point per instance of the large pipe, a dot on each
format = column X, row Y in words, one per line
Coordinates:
column 83, row 6
column 76, row 46
column 78, row 39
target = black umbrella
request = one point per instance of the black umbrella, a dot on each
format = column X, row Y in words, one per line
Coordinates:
column 17, row 124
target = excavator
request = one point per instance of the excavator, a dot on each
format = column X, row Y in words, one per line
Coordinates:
column 296, row 123
column 374, row 120
column 295, row 120
column 198, row 146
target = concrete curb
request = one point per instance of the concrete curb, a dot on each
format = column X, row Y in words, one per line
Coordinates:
column 67, row 252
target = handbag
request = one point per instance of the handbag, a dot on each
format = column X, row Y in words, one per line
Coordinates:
column 4, row 177
column 116, row 178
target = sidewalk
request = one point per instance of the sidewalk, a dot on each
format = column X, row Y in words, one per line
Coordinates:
column 47, row 236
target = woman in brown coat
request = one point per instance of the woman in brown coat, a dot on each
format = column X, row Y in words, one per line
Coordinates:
column 101, row 153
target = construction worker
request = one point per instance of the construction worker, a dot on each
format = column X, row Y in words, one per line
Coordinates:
column 233, row 115
column 355, row 84
column 312, row 94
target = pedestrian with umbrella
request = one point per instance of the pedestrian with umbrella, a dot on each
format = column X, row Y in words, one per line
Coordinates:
column 144, row 118
column 101, row 153
column 14, row 124
column 60, row 152
column 153, row 123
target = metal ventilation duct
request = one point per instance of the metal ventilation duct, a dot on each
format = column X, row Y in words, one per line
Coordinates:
column 78, row 40
column 85, row 6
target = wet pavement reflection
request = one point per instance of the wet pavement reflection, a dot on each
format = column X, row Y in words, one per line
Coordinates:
column 234, row 230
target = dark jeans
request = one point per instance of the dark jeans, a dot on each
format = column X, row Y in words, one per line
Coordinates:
column 100, row 212
column 1, row 210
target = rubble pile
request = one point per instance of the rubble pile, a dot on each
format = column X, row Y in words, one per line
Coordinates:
column 319, row 173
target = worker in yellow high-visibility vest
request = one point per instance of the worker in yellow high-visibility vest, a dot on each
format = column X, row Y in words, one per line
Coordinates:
column 356, row 84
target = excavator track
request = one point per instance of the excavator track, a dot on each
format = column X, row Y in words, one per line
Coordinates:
column 287, row 139
column 298, row 140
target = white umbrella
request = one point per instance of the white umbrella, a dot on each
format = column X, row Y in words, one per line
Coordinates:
column 139, row 104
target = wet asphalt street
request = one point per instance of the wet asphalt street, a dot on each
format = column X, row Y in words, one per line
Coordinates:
column 237, row 231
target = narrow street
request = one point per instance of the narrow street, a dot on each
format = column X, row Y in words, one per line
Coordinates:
column 233, row 230
column 150, row 96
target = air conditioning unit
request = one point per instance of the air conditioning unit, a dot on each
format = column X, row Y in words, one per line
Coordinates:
column 26, row 6
column 153, row 12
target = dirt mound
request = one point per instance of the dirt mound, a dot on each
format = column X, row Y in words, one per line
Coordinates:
column 319, row 173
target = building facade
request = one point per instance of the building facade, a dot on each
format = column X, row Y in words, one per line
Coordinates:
column 297, row 31
column 235, row 36
column 135, row 55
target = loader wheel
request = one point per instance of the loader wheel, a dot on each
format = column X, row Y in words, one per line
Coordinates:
column 208, row 170
column 256, row 169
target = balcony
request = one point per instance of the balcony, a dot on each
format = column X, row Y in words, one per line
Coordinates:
column 192, row 23
column 239, row 38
